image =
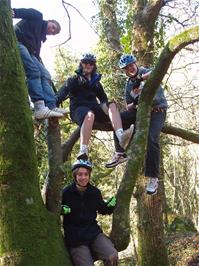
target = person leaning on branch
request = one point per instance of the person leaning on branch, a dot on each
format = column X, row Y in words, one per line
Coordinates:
column 136, row 76
column 31, row 31
column 81, row 202
column 85, row 90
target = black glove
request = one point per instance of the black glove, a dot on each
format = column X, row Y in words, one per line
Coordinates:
column 136, row 100
column 136, row 84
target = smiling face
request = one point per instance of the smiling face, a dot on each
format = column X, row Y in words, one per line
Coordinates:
column 131, row 70
column 87, row 67
column 82, row 177
column 52, row 28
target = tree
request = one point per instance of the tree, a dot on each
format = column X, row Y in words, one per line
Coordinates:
column 152, row 249
column 29, row 234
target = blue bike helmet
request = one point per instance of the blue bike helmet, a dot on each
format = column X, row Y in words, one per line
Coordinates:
column 88, row 58
column 82, row 163
column 126, row 59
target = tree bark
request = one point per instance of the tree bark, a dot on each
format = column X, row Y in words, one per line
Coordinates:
column 28, row 233
column 146, row 13
column 182, row 133
column 54, row 180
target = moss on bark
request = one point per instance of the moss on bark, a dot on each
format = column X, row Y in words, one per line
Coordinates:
column 29, row 235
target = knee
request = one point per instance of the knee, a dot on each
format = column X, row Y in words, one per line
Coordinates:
column 112, row 259
column 112, row 106
column 90, row 117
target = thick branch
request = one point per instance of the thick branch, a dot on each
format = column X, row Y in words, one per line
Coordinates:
column 182, row 133
column 109, row 21
column 68, row 145
column 171, row 49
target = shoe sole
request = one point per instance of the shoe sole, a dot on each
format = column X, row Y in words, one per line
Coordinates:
column 117, row 163
column 151, row 193
column 82, row 157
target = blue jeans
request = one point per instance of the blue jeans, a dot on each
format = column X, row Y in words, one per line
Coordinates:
column 152, row 161
column 38, row 78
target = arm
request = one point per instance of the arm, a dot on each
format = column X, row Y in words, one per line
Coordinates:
column 129, row 100
column 101, row 95
column 63, row 92
column 29, row 13
column 103, row 206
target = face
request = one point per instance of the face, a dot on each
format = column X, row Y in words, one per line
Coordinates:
column 82, row 176
column 87, row 67
column 131, row 70
column 52, row 28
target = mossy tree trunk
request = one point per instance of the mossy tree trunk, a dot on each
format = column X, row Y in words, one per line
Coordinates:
column 29, row 234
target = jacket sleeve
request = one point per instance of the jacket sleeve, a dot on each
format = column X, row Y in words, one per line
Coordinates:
column 102, row 206
column 63, row 92
column 29, row 14
column 101, row 95
column 127, row 96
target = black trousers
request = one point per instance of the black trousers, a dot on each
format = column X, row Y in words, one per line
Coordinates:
column 152, row 160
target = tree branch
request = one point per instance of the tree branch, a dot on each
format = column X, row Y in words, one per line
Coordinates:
column 68, row 145
column 182, row 133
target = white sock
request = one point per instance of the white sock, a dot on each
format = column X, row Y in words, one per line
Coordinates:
column 83, row 148
column 119, row 133
column 38, row 105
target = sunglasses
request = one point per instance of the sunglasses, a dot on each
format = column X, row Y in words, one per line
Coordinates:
column 88, row 62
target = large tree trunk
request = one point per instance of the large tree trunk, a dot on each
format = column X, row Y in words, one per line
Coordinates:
column 29, row 235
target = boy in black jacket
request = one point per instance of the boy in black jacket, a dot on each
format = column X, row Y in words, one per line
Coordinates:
column 31, row 31
column 80, row 203
column 89, row 103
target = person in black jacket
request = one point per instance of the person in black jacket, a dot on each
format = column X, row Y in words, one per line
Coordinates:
column 31, row 31
column 80, row 203
column 89, row 103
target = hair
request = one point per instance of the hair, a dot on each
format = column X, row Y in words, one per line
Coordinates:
column 75, row 171
column 57, row 24
column 94, row 68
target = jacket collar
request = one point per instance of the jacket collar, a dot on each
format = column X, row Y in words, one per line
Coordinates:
column 95, row 77
column 89, row 190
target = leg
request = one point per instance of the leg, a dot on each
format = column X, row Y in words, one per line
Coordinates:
column 128, row 118
column 33, row 75
column 85, row 134
column 35, row 88
column 84, row 117
column 114, row 116
column 104, row 250
column 81, row 256
column 124, row 137
column 152, row 162
column 48, row 93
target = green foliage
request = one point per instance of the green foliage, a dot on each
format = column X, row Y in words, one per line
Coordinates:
column 65, row 65
column 181, row 225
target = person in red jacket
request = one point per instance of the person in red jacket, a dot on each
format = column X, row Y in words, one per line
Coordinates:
column 81, row 202
column 31, row 31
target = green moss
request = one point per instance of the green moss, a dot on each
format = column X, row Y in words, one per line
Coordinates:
column 29, row 235
column 185, row 37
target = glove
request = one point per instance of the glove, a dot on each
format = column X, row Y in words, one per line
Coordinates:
column 111, row 202
column 65, row 209
column 136, row 100
column 136, row 84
